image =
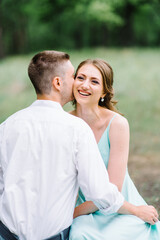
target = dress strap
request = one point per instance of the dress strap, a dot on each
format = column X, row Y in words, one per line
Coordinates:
column 111, row 121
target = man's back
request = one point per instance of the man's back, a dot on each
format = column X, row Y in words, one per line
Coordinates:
column 37, row 157
column 46, row 154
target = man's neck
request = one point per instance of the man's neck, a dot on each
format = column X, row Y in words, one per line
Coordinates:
column 48, row 97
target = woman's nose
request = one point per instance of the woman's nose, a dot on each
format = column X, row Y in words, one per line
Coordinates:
column 85, row 84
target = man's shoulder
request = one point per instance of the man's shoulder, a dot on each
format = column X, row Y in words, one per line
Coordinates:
column 9, row 123
column 77, row 122
column 15, row 116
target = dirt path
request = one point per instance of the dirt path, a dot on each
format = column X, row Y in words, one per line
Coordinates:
column 145, row 172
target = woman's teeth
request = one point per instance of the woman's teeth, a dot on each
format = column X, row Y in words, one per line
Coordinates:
column 84, row 93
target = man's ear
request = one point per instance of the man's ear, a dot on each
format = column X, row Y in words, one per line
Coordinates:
column 57, row 83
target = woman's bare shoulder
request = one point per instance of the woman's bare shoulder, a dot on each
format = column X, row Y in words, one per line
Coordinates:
column 120, row 122
column 118, row 119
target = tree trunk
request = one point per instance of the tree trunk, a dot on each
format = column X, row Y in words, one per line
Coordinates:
column 1, row 44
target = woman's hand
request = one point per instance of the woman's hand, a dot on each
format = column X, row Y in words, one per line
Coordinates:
column 147, row 213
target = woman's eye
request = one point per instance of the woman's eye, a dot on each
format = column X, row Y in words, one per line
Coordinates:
column 95, row 82
column 79, row 77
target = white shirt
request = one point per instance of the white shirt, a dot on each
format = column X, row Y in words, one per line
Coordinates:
column 46, row 154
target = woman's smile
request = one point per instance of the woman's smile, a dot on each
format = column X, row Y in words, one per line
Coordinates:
column 84, row 93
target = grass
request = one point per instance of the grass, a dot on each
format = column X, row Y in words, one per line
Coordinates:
column 136, row 83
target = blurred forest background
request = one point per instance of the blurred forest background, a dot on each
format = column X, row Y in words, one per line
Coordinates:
column 30, row 25
column 126, row 33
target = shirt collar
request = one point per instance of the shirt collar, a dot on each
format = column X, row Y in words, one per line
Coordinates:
column 47, row 103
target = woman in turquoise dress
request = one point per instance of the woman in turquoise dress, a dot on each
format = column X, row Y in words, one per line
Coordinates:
column 93, row 91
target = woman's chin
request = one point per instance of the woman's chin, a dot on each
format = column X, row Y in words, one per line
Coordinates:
column 83, row 103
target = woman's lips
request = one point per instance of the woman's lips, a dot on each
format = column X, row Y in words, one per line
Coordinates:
column 84, row 93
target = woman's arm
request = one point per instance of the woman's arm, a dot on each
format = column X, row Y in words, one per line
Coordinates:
column 84, row 209
column 119, row 149
column 146, row 213
column 117, row 165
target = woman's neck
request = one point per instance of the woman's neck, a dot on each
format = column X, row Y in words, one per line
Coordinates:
column 90, row 114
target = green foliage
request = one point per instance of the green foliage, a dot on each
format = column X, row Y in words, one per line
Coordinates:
column 99, row 11
column 149, row 18
column 13, row 24
column 30, row 25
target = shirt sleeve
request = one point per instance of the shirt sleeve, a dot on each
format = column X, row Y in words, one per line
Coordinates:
column 93, row 177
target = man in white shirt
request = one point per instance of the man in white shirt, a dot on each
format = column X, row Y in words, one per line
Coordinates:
column 46, row 154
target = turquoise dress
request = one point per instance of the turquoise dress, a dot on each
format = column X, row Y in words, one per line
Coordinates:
column 114, row 226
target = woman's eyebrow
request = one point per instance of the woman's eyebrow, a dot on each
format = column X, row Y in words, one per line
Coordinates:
column 95, row 78
column 81, row 74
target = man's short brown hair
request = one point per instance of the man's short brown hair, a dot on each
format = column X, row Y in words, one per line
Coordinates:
column 43, row 67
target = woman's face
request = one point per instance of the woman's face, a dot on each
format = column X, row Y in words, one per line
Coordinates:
column 88, row 85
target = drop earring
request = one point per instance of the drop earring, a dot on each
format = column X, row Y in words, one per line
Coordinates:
column 102, row 99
